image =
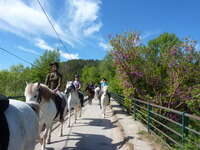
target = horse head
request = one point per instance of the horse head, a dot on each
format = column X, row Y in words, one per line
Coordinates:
column 35, row 92
column 69, row 87
column 32, row 92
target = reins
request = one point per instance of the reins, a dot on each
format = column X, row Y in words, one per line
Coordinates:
column 39, row 98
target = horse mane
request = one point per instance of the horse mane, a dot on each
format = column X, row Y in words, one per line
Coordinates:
column 71, row 84
column 47, row 93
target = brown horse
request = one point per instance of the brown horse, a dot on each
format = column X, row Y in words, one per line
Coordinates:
column 90, row 93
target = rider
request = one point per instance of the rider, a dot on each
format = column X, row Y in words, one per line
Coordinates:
column 53, row 81
column 77, row 85
column 105, row 83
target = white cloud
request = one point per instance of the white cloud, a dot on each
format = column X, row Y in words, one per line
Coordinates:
column 28, row 50
column 26, row 19
column 43, row 45
column 84, row 16
column 92, row 29
column 69, row 56
column 20, row 16
column 148, row 34
column 105, row 46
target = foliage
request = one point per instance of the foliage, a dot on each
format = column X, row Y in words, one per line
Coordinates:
column 13, row 81
column 165, row 71
column 41, row 66
column 90, row 75
column 70, row 68
column 189, row 144
column 104, row 69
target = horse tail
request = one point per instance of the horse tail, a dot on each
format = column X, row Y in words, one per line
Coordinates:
column 4, row 129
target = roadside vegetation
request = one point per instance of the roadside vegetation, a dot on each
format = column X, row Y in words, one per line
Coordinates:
column 164, row 71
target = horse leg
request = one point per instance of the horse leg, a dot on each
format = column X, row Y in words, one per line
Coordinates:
column 89, row 99
column 80, row 111
column 102, row 107
column 75, row 113
column 40, row 139
column 49, row 137
column 69, row 117
column 44, row 139
column 61, row 128
column 100, row 103
column 104, row 111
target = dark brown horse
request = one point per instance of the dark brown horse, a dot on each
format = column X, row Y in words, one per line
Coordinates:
column 90, row 92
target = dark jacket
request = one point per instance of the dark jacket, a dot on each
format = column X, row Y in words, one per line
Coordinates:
column 53, row 80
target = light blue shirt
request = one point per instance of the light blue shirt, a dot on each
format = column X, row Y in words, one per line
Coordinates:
column 104, row 84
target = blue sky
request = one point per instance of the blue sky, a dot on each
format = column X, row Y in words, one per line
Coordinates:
column 84, row 25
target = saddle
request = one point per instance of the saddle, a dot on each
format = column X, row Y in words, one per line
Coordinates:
column 4, row 103
column 60, row 105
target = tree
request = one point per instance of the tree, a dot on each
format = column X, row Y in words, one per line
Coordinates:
column 41, row 66
column 69, row 68
column 90, row 74
column 166, row 71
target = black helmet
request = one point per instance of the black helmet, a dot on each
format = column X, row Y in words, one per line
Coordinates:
column 54, row 63
column 77, row 76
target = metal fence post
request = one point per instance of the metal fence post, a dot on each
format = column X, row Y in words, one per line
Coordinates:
column 183, row 127
column 134, row 108
column 149, row 108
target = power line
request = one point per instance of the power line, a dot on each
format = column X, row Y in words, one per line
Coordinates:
column 5, row 50
column 50, row 22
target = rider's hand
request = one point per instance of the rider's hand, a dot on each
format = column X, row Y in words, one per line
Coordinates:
column 55, row 90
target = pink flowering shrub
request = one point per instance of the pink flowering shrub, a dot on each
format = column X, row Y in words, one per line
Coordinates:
column 166, row 71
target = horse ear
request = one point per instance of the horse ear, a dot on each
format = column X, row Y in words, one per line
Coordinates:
column 26, row 83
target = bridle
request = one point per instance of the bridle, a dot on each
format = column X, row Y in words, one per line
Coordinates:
column 39, row 98
column 70, row 88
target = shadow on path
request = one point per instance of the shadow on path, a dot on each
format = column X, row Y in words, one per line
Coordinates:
column 96, row 142
column 105, row 123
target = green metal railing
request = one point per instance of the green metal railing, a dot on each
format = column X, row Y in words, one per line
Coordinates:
column 175, row 131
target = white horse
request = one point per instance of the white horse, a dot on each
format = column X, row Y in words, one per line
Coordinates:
column 104, row 99
column 97, row 94
column 73, row 101
column 22, row 124
column 42, row 94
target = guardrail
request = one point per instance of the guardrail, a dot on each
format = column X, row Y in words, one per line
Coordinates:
column 16, row 97
column 174, row 126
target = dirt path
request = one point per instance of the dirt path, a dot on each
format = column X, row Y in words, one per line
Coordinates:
column 91, row 132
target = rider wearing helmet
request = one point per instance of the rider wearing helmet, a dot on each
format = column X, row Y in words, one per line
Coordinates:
column 53, row 81
column 54, row 78
column 77, row 82
column 104, row 83
column 77, row 85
